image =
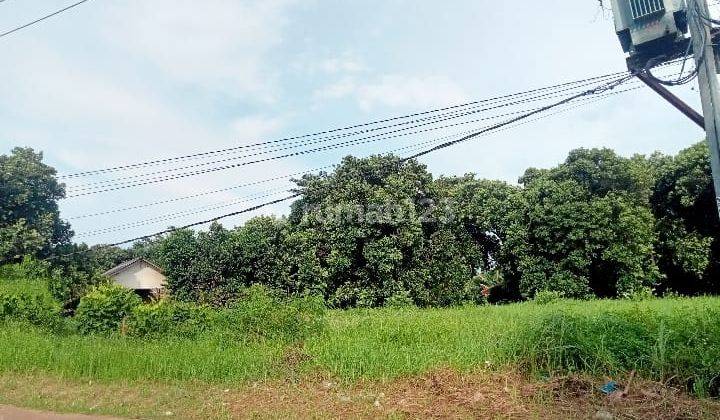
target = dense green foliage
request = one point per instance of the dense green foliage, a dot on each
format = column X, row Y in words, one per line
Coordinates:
column 256, row 315
column 24, row 297
column 215, row 266
column 166, row 318
column 29, row 217
column 375, row 229
column 688, row 240
column 381, row 231
column 105, row 309
column 111, row 310
column 586, row 228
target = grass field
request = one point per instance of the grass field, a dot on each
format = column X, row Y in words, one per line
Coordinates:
column 674, row 341
column 660, row 339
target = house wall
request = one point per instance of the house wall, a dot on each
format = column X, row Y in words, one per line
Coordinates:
column 140, row 276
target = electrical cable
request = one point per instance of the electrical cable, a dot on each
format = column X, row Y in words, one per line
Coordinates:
column 595, row 91
column 144, row 176
column 191, row 212
column 365, row 140
column 42, row 18
column 202, row 194
column 321, row 133
column 177, row 215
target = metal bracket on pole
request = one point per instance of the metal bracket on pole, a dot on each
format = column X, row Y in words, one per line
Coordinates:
column 709, row 88
column 678, row 103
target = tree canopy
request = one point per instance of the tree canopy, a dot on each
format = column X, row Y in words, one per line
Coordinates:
column 383, row 231
column 30, row 221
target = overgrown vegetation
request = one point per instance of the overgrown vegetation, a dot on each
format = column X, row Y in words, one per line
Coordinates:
column 24, row 297
column 671, row 339
column 110, row 310
column 380, row 231
column 250, row 302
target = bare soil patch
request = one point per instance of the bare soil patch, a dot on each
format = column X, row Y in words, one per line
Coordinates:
column 439, row 394
column 447, row 394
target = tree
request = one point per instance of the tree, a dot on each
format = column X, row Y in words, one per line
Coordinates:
column 216, row 266
column 374, row 227
column 30, row 221
column 586, row 228
column 684, row 204
column 484, row 213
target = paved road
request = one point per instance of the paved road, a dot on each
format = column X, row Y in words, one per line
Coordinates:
column 12, row 413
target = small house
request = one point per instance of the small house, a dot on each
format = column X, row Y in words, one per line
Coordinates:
column 140, row 275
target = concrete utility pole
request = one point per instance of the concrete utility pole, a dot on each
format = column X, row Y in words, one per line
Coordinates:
column 708, row 81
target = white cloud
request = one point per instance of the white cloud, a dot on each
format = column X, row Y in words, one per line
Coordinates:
column 343, row 64
column 253, row 128
column 216, row 45
column 91, row 120
column 309, row 63
column 337, row 90
column 396, row 91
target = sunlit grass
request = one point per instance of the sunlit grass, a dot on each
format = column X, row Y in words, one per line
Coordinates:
column 661, row 339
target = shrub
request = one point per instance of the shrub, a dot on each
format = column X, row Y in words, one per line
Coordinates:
column 30, row 302
column 642, row 293
column 544, row 297
column 104, row 309
column 166, row 318
column 260, row 314
column 28, row 269
column 400, row 300
column 24, row 295
column 677, row 341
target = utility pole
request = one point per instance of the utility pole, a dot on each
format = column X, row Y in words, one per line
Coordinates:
column 707, row 79
column 652, row 32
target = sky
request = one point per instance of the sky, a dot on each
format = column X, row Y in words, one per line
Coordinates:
column 115, row 82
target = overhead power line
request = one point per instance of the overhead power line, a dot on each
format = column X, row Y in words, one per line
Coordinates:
column 147, row 180
column 412, row 124
column 595, row 91
column 184, row 213
column 175, row 229
column 42, row 18
column 197, row 195
column 470, row 134
column 175, row 215
column 336, row 130
column 455, row 110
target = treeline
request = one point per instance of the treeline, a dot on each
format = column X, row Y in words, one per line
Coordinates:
column 382, row 231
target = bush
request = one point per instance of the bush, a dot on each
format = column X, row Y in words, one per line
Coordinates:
column 259, row 314
column 168, row 318
column 400, row 300
column 105, row 308
column 30, row 302
column 544, row 297
column 28, row 269
column 24, row 295
column 677, row 341
column 642, row 293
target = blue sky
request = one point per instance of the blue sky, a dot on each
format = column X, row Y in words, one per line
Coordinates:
column 113, row 82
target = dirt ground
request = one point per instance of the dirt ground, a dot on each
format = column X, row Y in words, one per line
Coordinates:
column 441, row 394
column 14, row 413
column 446, row 394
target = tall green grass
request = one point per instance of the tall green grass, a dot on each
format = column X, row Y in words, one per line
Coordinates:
column 674, row 339
column 28, row 349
